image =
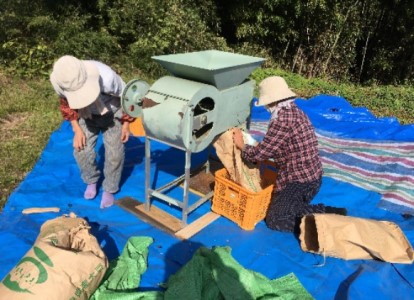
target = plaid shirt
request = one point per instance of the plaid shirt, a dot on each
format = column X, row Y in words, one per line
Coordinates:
column 291, row 143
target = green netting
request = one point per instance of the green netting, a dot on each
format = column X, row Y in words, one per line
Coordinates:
column 124, row 274
column 215, row 274
column 211, row 274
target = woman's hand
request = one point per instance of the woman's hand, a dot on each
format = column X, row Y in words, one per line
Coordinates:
column 79, row 140
column 125, row 132
column 238, row 138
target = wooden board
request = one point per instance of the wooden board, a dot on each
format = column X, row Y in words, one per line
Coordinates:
column 34, row 210
column 164, row 221
column 190, row 230
column 154, row 216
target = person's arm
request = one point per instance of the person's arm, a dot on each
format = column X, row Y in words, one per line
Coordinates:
column 125, row 132
column 71, row 115
column 241, row 138
column 68, row 114
column 79, row 139
column 125, row 121
column 271, row 146
column 238, row 138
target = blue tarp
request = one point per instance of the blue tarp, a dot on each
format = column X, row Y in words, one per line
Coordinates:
column 55, row 182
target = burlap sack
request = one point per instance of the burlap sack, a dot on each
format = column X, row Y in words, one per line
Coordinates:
column 65, row 262
column 241, row 172
column 354, row 238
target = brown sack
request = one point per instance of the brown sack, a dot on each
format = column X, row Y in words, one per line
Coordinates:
column 241, row 172
column 354, row 238
column 65, row 262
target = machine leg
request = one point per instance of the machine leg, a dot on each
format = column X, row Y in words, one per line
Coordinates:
column 186, row 187
column 208, row 159
column 147, row 173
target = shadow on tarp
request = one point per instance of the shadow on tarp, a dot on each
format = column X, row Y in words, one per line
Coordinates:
column 178, row 255
column 105, row 239
column 134, row 156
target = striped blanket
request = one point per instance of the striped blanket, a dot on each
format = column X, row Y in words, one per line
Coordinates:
column 379, row 166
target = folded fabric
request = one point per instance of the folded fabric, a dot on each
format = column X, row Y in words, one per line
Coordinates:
column 354, row 238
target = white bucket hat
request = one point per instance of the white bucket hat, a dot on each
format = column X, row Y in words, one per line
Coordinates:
column 77, row 80
column 273, row 89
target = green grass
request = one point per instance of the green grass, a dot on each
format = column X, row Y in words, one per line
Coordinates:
column 29, row 114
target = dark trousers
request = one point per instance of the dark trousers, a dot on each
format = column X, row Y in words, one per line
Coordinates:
column 289, row 205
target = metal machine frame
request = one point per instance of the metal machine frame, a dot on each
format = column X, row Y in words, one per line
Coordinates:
column 214, row 75
column 184, row 204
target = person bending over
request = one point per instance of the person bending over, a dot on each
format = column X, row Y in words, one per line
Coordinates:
column 89, row 94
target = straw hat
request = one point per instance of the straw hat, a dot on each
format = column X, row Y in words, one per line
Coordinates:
column 273, row 89
column 77, row 79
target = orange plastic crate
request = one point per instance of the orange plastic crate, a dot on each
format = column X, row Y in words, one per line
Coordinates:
column 238, row 204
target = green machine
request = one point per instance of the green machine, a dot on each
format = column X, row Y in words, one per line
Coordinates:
column 207, row 93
